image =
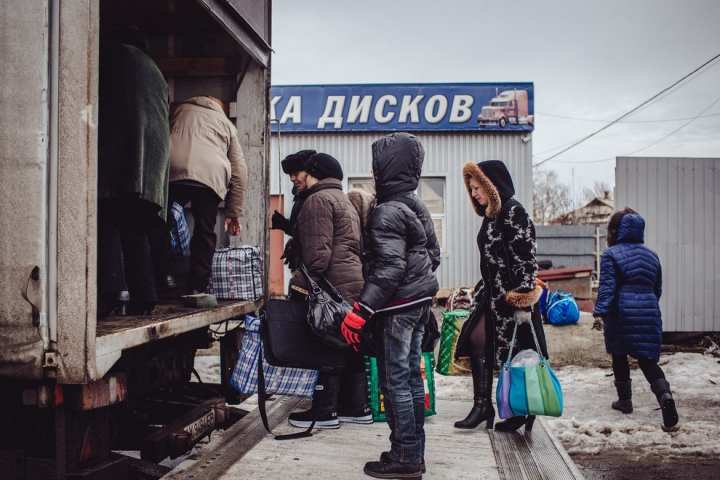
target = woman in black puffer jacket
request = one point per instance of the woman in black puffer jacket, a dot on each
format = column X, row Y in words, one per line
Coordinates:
column 627, row 304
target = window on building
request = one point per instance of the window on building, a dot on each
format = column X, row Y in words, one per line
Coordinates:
column 430, row 190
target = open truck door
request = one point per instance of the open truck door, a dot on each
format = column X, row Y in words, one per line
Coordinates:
column 68, row 382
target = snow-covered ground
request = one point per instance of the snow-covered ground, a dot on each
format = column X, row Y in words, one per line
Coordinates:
column 589, row 426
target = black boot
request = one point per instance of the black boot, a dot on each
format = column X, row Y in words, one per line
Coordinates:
column 624, row 401
column 324, row 406
column 661, row 389
column 513, row 423
column 483, row 409
column 353, row 399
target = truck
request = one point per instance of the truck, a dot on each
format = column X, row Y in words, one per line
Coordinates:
column 509, row 106
column 74, row 390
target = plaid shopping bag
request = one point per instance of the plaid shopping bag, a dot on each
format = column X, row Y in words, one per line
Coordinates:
column 296, row 382
column 179, row 233
column 236, row 273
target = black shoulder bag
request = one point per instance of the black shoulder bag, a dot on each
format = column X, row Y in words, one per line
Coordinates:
column 326, row 312
column 288, row 341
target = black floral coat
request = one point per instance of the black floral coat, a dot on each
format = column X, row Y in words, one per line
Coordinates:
column 507, row 265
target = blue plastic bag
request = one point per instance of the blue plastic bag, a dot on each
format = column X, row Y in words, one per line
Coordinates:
column 562, row 309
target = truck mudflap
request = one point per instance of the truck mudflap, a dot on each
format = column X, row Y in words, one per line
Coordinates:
column 179, row 436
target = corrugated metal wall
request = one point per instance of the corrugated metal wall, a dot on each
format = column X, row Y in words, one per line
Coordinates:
column 680, row 201
column 570, row 246
column 445, row 154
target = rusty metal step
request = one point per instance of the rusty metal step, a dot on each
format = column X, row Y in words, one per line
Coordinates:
column 236, row 441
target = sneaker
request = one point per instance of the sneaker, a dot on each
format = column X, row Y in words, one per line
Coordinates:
column 393, row 470
column 385, row 458
column 363, row 416
column 323, row 421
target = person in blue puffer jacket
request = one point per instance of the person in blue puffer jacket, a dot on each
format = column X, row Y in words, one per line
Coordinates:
column 628, row 305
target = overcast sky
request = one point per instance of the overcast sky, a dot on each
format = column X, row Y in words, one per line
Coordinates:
column 591, row 61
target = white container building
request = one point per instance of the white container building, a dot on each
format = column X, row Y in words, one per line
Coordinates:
column 680, row 201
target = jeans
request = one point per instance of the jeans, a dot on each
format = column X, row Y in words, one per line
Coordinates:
column 398, row 339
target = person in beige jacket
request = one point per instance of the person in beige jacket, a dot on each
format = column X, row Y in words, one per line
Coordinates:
column 207, row 166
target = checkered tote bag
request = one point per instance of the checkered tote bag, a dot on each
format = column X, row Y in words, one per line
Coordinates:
column 236, row 273
column 179, row 233
column 296, row 382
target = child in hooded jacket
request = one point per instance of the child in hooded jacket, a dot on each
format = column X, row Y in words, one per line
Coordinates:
column 400, row 256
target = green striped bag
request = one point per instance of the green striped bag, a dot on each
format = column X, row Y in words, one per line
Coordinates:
column 449, row 333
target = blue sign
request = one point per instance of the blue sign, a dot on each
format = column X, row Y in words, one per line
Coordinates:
column 429, row 107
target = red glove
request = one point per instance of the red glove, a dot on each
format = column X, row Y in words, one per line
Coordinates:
column 352, row 327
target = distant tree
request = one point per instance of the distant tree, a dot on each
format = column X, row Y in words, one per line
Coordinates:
column 598, row 190
column 551, row 198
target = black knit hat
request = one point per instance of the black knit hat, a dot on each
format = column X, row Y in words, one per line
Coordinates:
column 322, row 165
column 295, row 162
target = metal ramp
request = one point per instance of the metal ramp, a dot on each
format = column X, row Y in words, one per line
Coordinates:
column 245, row 450
column 532, row 456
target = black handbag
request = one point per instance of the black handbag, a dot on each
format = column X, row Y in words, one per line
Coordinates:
column 289, row 341
column 327, row 310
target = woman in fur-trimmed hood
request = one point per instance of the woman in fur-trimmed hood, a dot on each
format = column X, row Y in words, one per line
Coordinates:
column 507, row 293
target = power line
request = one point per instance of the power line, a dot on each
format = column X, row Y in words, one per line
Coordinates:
column 628, row 113
column 628, row 121
column 674, row 131
column 699, row 115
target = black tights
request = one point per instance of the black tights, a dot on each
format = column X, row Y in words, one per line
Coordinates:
column 621, row 368
column 478, row 339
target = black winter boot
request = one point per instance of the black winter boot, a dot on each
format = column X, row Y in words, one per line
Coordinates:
column 513, row 423
column 483, row 409
column 661, row 389
column 353, row 400
column 624, row 401
column 324, row 401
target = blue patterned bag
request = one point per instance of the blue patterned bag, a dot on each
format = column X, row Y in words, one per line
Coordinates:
column 236, row 273
column 179, row 233
column 296, row 382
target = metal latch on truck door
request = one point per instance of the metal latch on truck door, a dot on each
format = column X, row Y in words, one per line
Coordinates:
column 32, row 272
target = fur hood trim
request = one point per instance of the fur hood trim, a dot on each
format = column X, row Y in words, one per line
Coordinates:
column 363, row 203
column 471, row 170
column 522, row 300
